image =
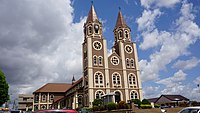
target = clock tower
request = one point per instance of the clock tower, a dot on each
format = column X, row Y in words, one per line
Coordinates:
column 95, row 64
column 116, row 74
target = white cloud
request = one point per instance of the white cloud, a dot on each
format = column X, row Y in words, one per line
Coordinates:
column 159, row 3
column 174, row 80
column 171, row 44
column 175, row 85
column 151, row 92
column 197, row 80
column 188, row 64
column 40, row 43
column 146, row 21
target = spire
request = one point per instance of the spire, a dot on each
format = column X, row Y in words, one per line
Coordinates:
column 120, row 20
column 92, row 16
column 73, row 79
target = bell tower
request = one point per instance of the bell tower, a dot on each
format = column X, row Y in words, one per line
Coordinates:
column 95, row 64
column 127, row 51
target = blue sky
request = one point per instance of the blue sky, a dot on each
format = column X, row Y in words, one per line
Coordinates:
column 40, row 42
column 178, row 74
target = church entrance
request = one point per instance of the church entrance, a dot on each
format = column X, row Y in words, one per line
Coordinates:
column 117, row 97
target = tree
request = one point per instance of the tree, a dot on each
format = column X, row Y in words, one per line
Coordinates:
column 137, row 101
column 145, row 101
column 4, row 97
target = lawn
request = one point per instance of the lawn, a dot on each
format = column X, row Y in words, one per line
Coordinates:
column 157, row 110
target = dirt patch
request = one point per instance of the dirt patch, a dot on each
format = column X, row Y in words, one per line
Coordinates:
column 157, row 110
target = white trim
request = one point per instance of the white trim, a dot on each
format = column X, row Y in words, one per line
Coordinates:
column 122, row 52
column 107, row 84
column 100, row 91
column 121, row 94
column 134, row 95
column 127, row 63
column 120, row 80
column 132, row 66
column 88, row 33
column 99, row 43
column 89, row 53
column 138, row 71
column 129, row 52
column 132, row 80
column 95, row 60
column 99, row 84
column 116, row 59
column 100, row 57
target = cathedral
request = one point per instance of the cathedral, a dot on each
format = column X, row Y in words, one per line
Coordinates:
column 117, row 74
column 112, row 78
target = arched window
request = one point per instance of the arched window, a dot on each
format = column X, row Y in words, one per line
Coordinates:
column 134, row 95
column 132, row 63
column 90, row 30
column 99, row 79
column 116, row 79
column 51, row 97
column 99, row 94
column 95, row 59
column 132, row 79
column 36, row 98
column 120, row 34
column 126, row 34
column 100, row 60
column 43, row 98
column 127, row 63
column 96, row 28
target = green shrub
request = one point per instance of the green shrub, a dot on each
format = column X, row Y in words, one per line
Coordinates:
column 145, row 101
column 97, row 102
column 126, row 106
column 95, row 108
column 122, row 105
column 156, row 105
column 145, row 106
column 111, row 106
column 101, row 108
column 137, row 101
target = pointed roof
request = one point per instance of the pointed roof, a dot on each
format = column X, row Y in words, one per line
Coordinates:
column 120, row 20
column 92, row 16
column 73, row 79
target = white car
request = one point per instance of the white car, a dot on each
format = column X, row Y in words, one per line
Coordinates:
column 190, row 110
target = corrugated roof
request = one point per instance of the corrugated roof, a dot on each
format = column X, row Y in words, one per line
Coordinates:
column 175, row 97
column 54, row 87
column 152, row 100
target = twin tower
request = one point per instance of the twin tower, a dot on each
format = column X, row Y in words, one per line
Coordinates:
column 115, row 77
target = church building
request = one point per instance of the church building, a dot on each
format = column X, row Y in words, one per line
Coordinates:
column 116, row 74
column 115, row 77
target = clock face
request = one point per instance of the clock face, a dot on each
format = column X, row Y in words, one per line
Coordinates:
column 128, row 49
column 97, row 45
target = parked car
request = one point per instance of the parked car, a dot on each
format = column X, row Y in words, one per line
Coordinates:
column 15, row 111
column 190, row 110
column 56, row 111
